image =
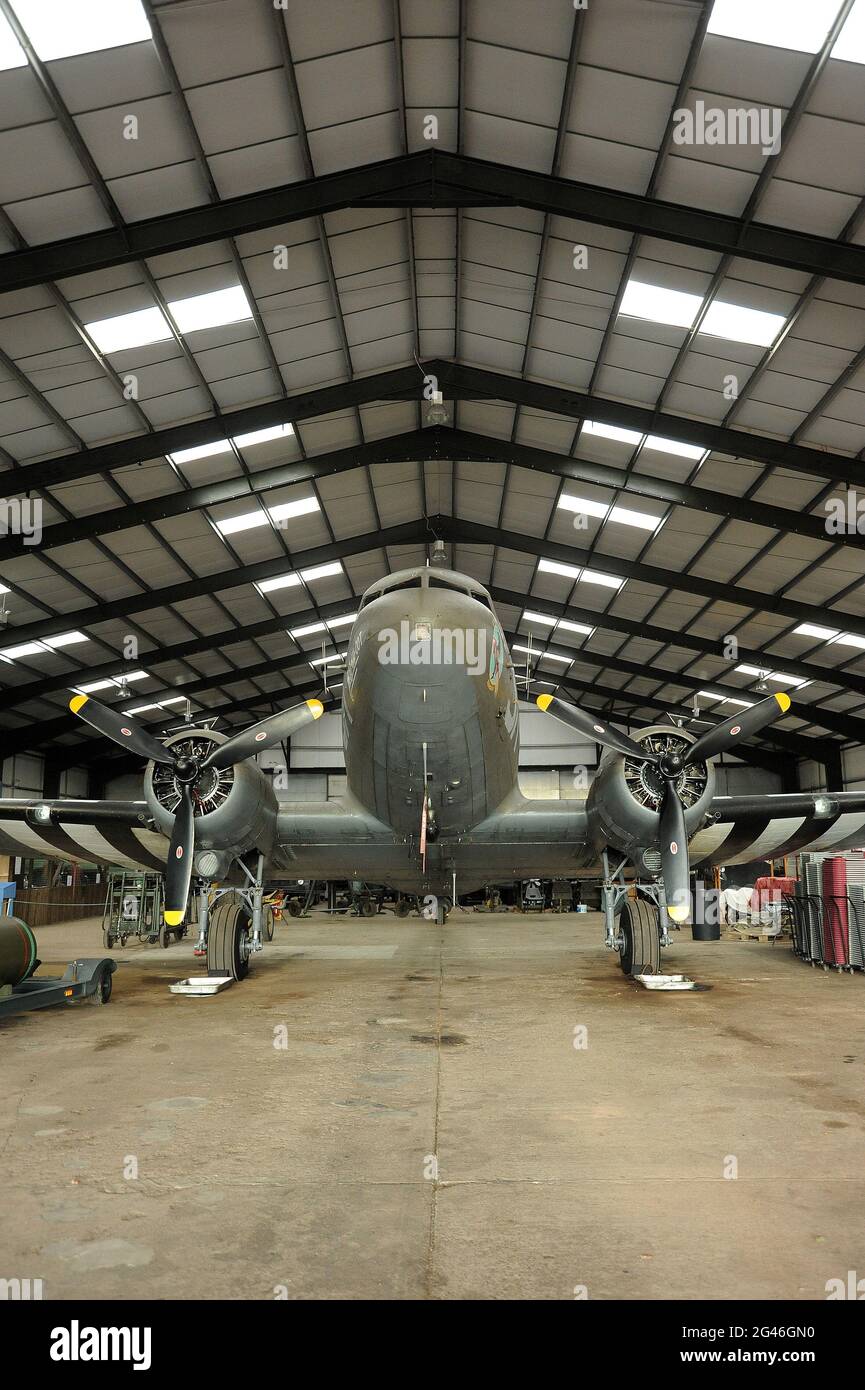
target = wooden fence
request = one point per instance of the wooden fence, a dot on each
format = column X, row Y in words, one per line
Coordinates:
column 40, row 907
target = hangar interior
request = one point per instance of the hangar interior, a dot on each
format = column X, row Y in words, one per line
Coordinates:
column 289, row 293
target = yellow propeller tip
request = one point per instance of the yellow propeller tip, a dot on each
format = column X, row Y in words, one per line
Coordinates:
column 316, row 708
column 678, row 914
column 76, row 703
column 173, row 919
column 783, row 700
column 544, row 701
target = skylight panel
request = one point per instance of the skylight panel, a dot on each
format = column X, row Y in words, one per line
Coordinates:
column 244, row 441
column 778, row 677
column 66, row 639
column 848, row 639
column 611, row 432
column 202, row 451
column 731, row 321
column 850, row 44
column 321, row 571
column 580, row 628
column 133, row 330
column 230, row 525
column 210, row 310
column 312, row 628
column 543, row 656
column 301, row 507
column 674, row 307
column 282, row 581
column 674, row 446
column 112, row 682
column 48, row 644
column 624, row 515
column 288, row 581
column 12, row 55
column 725, row 699
column 145, row 326
column 62, row 28
column 823, row 634
column 223, row 446
column 564, row 623
column 328, row 660
column 799, row 24
column 584, row 576
column 679, row 309
column 160, row 704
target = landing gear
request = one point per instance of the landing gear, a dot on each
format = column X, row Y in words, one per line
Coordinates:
column 442, row 910
column 635, row 927
column 267, row 920
column 640, row 942
column 228, row 937
column 232, row 922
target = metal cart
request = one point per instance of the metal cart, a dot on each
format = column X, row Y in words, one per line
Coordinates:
column 133, row 907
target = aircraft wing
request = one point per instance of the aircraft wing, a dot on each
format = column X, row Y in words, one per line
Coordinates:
column 745, row 828
column 101, row 832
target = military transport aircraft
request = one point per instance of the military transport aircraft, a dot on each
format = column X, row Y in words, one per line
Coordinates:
column 431, row 736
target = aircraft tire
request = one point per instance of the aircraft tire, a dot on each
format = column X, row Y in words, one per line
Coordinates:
column 640, row 953
column 226, row 931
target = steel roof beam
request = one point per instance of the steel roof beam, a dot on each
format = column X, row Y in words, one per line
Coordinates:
column 437, row 442
column 434, row 179
column 417, row 532
column 32, row 691
column 457, row 382
column 664, row 636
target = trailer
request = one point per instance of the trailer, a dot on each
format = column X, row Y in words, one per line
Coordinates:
column 89, row 979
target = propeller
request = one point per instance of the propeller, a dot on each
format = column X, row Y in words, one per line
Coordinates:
column 123, row 730
column 672, row 833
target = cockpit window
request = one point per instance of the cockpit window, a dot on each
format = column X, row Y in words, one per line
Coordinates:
column 434, row 582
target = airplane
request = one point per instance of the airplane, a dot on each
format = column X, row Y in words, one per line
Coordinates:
column 430, row 716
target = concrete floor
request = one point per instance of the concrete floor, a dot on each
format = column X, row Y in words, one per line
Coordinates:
column 303, row 1168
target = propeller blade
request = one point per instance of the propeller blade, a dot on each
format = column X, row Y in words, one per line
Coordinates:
column 674, row 855
column 178, row 866
column 743, row 725
column 120, row 728
column 264, row 734
column 592, row 726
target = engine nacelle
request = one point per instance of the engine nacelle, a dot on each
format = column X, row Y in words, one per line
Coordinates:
column 235, row 808
column 624, row 800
